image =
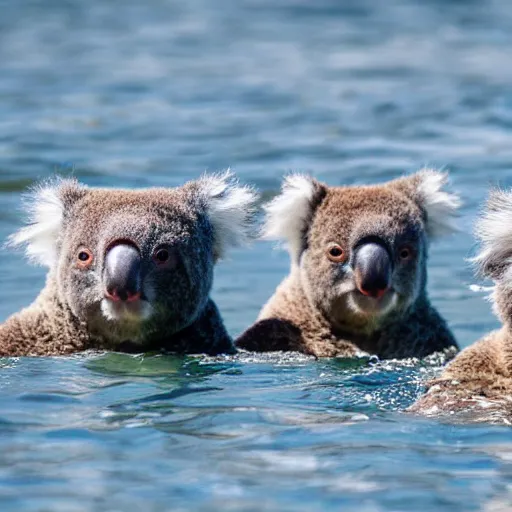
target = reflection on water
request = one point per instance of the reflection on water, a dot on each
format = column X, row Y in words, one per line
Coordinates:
column 116, row 432
column 134, row 94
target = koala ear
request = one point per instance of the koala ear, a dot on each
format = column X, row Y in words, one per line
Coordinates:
column 288, row 214
column 428, row 189
column 230, row 208
column 494, row 230
column 45, row 207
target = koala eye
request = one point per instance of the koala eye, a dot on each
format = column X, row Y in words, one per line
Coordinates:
column 163, row 257
column 336, row 254
column 405, row 253
column 84, row 258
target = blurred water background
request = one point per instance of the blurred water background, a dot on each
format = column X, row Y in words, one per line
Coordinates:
column 137, row 94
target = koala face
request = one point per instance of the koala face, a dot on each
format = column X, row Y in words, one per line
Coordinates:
column 362, row 256
column 361, row 252
column 123, row 258
column 148, row 252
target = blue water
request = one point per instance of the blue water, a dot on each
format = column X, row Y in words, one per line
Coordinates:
column 154, row 93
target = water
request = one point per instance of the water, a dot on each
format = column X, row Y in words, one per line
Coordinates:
column 140, row 94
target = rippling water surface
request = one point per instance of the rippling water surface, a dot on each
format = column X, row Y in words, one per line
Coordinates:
column 141, row 94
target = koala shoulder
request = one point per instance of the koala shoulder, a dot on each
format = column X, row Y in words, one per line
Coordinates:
column 281, row 321
column 35, row 332
column 18, row 333
column 207, row 335
column 424, row 332
column 479, row 371
column 288, row 323
column 480, row 361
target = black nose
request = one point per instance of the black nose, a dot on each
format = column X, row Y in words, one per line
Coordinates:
column 373, row 269
column 122, row 273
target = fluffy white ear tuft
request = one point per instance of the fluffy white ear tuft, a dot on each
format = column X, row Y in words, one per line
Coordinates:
column 494, row 230
column 45, row 212
column 230, row 207
column 288, row 214
column 440, row 205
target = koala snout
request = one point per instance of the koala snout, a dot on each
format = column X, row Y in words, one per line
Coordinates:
column 373, row 269
column 122, row 273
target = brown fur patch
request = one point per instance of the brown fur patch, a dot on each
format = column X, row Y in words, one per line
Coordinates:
column 316, row 307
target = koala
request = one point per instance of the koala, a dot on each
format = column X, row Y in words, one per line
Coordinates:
column 129, row 270
column 482, row 373
column 358, row 274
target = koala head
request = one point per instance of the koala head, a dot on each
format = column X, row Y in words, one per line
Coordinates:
column 360, row 252
column 494, row 260
column 122, row 258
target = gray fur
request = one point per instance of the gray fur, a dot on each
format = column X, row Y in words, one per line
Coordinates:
column 318, row 309
column 197, row 223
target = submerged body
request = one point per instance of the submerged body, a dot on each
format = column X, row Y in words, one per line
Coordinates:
column 129, row 270
column 480, row 377
column 357, row 282
column 477, row 384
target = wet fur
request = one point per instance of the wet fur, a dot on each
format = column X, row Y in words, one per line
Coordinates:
column 201, row 221
column 480, row 377
column 306, row 216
